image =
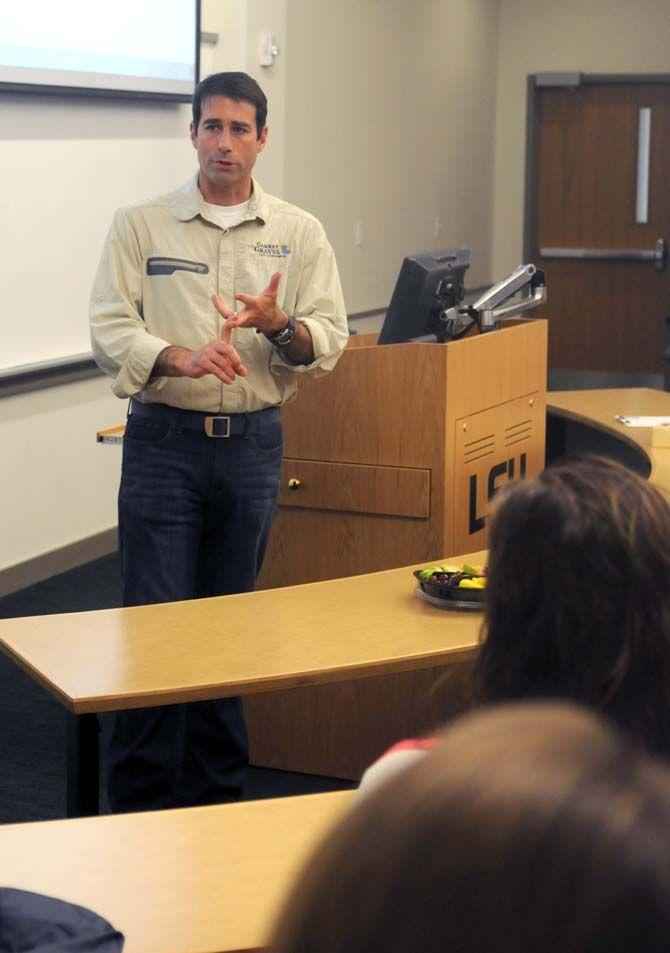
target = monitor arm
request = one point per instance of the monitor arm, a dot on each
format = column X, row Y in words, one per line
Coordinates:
column 490, row 307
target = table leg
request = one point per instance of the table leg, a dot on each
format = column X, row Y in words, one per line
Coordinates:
column 83, row 765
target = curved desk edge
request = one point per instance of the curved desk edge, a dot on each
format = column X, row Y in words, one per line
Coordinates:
column 597, row 410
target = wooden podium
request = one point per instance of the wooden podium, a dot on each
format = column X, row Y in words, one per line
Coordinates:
column 391, row 460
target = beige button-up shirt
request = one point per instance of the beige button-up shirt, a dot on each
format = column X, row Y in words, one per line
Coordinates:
column 162, row 262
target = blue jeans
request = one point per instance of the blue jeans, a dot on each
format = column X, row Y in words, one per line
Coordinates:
column 194, row 517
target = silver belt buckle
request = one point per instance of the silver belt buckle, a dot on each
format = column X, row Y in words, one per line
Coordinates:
column 209, row 427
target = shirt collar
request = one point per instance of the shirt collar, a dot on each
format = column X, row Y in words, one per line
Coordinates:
column 187, row 202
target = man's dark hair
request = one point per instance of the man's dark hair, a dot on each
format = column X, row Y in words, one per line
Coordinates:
column 240, row 87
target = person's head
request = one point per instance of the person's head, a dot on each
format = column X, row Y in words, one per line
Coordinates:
column 229, row 132
column 240, row 87
column 578, row 596
column 529, row 828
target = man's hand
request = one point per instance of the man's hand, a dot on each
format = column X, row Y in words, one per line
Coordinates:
column 259, row 311
column 218, row 358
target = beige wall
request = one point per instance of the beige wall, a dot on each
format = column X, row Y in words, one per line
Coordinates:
column 600, row 36
column 389, row 121
column 269, row 16
column 58, row 485
column 65, row 165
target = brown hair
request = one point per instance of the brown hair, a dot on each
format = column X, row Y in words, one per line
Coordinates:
column 531, row 828
column 578, row 603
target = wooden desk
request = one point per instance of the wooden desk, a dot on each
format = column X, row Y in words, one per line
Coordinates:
column 189, row 881
column 349, row 715
column 596, row 409
column 111, row 434
column 389, row 483
column 593, row 408
column 291, row 638
column 318, row 633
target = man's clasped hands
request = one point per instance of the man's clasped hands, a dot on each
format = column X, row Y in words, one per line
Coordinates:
column 219, row 357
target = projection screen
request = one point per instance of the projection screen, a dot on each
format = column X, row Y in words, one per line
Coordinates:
column 138, row 48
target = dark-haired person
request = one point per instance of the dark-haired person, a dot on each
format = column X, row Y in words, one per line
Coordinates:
column 527, row 828
column 578, row 605
column 208, row 303
column 578, row 601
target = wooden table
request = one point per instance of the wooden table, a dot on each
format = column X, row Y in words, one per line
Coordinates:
column 271, row 640
column 597, row 410
column 187, row 881
column 323, row 632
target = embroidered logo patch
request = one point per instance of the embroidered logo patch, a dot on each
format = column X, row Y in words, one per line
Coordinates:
column 272, row 251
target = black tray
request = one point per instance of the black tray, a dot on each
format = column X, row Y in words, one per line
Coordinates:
column 452, row 604
column 445, row 594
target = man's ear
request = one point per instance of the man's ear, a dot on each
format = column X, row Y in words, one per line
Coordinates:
column 193, row 134
column 262, row 139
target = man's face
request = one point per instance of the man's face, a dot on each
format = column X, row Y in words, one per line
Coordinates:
column 227, row 144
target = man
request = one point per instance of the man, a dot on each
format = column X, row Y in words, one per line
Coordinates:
column 207, row 304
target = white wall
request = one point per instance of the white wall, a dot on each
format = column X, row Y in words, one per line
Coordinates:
column 601, row 36
column 58, row 485
column 389, row 121
column 65, row 165
column 269, row 16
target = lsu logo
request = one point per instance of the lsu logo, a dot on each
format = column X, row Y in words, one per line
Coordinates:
column 501, row 470
column 272, row 251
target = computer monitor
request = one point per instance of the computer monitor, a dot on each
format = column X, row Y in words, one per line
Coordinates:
column 427, row 285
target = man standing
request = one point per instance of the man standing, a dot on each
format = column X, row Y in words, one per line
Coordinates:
column 203, row 442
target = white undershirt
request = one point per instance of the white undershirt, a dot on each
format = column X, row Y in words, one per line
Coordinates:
column 227, row 215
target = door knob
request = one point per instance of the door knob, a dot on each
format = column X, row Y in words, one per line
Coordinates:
column 293, row 483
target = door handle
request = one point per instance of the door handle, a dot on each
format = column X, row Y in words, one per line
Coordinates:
column 643, row 155
column 658, row 254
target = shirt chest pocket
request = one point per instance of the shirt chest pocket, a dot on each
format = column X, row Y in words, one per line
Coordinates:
column 177, row 288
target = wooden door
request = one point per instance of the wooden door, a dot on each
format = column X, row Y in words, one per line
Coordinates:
column 607, row 280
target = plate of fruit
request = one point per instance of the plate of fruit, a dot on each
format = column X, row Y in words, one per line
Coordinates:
column 453, row 586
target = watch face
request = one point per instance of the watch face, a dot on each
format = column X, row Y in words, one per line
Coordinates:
column 286, row 335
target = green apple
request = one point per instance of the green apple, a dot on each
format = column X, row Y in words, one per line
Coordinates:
column 430, row 571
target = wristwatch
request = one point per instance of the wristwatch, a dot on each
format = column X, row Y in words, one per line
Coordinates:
column 283, row 337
